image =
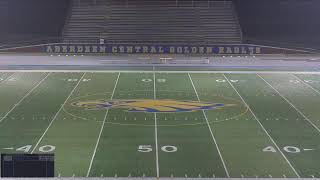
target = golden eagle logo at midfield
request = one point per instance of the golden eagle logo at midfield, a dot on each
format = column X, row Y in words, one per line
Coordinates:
column 149, row 106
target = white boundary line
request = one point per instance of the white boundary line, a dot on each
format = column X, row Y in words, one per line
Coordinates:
column 254, row 115
column 316, row 90
column 213, row 138
column 102, row 127
column 25, row 96
column 304, row 116
column 156, row 126
column 175, row 72
column 56, row 115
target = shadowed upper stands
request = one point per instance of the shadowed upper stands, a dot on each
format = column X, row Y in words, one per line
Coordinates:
column 141, row 21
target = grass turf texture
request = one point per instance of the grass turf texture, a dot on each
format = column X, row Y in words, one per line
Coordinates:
column 267, row 128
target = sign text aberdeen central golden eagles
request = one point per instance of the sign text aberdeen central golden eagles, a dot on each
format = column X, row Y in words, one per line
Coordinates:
column 149, row 106
column 152, row 49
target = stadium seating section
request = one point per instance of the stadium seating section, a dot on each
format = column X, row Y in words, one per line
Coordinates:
column 161, row 21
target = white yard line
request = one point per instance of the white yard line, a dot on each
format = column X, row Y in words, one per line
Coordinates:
column 25, row 96
column 294, row 107
column 175, row 72
column 156, row 126
column 213, row 138
column 56, row 115
column 254, row 115
column 314, row 89
column 102, row 127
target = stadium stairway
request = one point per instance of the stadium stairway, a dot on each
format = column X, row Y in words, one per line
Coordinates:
column 142, row 21
column 85, row 20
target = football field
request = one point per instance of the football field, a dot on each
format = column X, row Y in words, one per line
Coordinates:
column 165, row 124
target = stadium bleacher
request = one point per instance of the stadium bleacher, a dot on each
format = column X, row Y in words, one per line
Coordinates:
column 85, row 20
column 142, row 21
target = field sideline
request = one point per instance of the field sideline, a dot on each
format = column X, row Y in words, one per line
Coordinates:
column 165, row 124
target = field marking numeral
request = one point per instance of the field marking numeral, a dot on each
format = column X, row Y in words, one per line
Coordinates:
column 47, row 148
column 72, row 80
column 161, row 80
column 12, row 79
column 146, row 80
column 150, row 80
column 269, row 149
column 145, row 148
column 148, row 148
column 294, row 81
column 75, row 80
column 224, row 81
column 289, row 149
column 86, row 80
column 44, row 149
column 169, row 148
column 24, row 148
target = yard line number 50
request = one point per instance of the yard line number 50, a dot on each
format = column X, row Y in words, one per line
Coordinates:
column 166, row 148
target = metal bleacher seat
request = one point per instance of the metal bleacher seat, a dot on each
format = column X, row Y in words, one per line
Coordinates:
column 156, row 21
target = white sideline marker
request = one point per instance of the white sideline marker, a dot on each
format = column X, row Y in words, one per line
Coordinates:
column 254, row 115
column 10, row 148
column 102, row 127
column 56, row 115
column 213, row 138
column 25, row 96
column 308, row 149
column 304, row 116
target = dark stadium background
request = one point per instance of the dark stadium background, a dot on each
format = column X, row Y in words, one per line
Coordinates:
column 262, row 21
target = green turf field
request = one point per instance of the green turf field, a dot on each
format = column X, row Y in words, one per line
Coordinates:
column 133, row 124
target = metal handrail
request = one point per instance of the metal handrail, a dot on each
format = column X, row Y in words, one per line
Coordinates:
column 235, row 14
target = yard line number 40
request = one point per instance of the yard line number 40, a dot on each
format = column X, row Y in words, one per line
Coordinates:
column 44, row 149
column 288, row 149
